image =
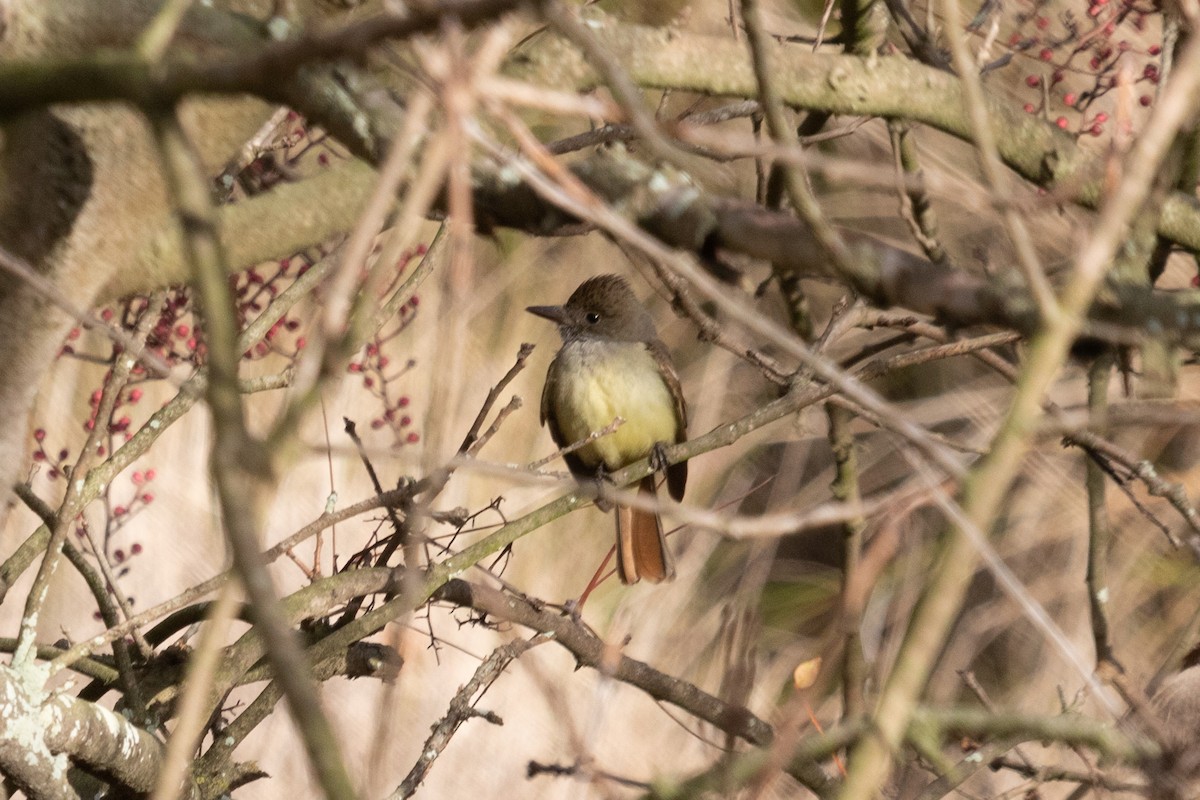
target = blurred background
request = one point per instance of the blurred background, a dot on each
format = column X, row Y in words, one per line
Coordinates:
column 744, row 612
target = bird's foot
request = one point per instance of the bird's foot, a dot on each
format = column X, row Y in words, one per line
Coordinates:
column 602, row 482
column 658, row 457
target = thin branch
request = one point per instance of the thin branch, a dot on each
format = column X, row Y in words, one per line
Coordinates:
column 560, row 18
column 795, row 181
column 191, row 712
column 239, row 465
column 983, row 133
column 264, row 70
column 989, row 481
column 471, row 442
column 1099, row 531
column 462, row 708
column 326, row 520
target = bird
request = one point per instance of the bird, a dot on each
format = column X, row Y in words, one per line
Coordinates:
column 612, row 364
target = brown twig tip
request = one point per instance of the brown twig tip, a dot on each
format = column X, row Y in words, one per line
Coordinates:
column 473, row 442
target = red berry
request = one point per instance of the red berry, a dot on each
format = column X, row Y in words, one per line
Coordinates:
column 39, row 435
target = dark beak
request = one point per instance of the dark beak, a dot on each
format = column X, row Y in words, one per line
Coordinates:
column 553, row 313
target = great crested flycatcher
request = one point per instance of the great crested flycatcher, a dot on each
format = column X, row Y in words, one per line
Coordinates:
column 611, row 365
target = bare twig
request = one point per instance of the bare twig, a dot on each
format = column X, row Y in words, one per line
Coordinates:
column 988, row 483
column 462, row 708
column 989, row 160
column 240, row 466
column 193, row 711
column 472, row 441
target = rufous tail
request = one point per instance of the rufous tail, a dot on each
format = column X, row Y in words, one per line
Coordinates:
column 641, row 546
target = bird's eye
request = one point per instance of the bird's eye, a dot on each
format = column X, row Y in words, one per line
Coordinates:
column 592, row 317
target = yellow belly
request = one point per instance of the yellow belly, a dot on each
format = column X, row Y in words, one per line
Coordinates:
column 609, row 380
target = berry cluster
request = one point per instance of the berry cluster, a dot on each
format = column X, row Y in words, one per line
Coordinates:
column 1081, row 52
column 254, row 289
column 379, row 375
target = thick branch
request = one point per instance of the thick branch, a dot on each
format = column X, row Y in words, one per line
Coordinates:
column 592, row 651
column 901, row 88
